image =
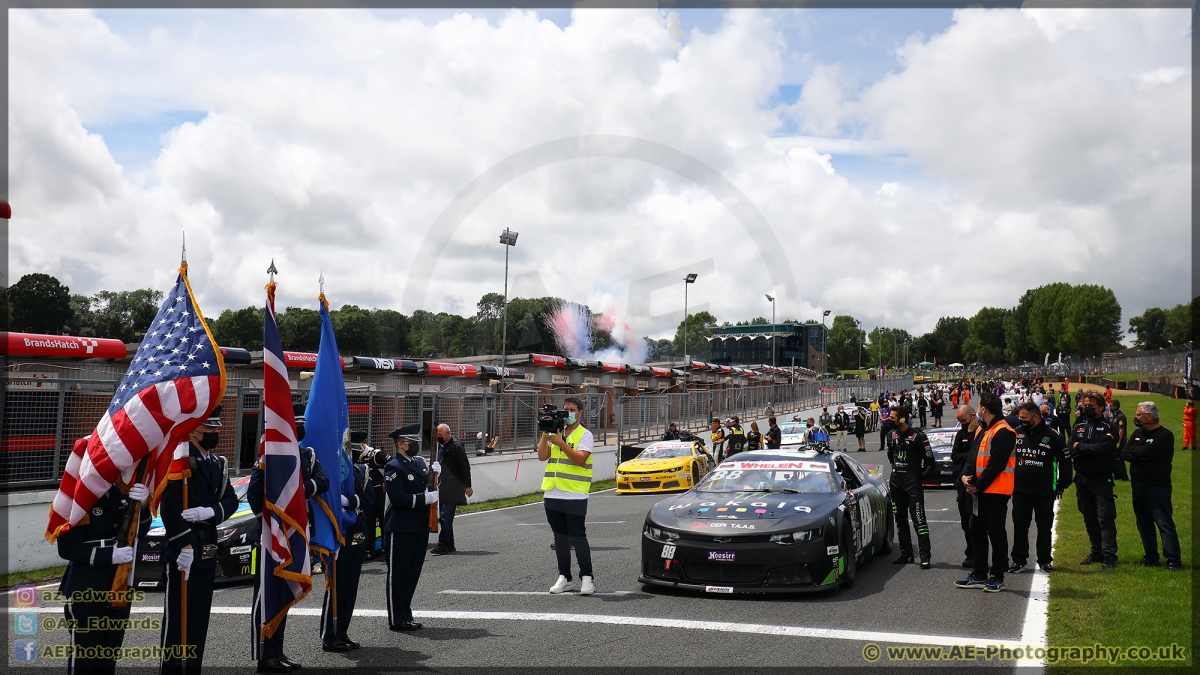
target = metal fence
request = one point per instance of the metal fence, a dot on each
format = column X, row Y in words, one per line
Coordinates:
column 646, row 417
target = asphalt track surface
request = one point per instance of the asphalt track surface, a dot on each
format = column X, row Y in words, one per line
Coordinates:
column 487, row 606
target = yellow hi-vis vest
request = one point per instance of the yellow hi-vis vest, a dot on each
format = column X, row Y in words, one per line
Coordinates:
column 564, row 474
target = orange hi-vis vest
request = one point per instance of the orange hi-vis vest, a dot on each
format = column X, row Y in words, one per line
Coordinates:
column 1003, row 485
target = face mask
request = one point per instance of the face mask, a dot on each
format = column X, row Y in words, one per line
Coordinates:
column 1088, row 411
column 210, row 440
column 571, row 418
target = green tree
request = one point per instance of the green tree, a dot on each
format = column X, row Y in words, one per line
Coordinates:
column 239, row 328
column 1045, row 321
column 489, row 320
column 82, row 321
column 846, row 340
column 985, row 336
column 5, row 310
column 1091, row 320
column 1150, row 328
column 1179, row 323
column 659, row 350
column 394, row 327
column 357, row 331
column 698, row 330
column 1016, row 330
column 885, row 346
column 40, row 304
column 300, row 330
column 124, row 315
column 948, row 335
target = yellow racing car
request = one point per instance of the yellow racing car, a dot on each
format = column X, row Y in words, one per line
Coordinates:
column 665, row 466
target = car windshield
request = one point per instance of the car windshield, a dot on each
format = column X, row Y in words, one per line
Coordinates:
column 941, row 441
column 792, row 428
column 666, row 451
column 815, row 477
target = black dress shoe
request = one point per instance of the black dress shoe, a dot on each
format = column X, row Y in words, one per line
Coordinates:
column 290, row 663
column 352, row 644
column 439, row 550
column 273, row 666
column 338, row 646
column 405, row 627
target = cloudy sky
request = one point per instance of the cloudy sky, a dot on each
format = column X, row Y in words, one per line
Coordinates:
column 903, row 164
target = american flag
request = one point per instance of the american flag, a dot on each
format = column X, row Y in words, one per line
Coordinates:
column 286, row 576
column 175, row 380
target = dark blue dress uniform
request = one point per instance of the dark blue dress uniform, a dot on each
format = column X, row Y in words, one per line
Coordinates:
column 405, row 535
column 314, row 482
column 348, row 567
column 208, row 486
column 88, row 549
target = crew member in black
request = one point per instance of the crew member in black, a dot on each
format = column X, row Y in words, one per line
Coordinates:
column 93, row 553
column 1121, row 422
column 935, row 408
column 191, row 546
column 406, row 526
column 737, row 436
column 672, row 432
column 1041, row 474
column 348, row 566
column 922, row 407
column 960, row 452
column 774, row 435
column 911, row 456
column 1093, row 450
column 314, row 481
column 1149, row 452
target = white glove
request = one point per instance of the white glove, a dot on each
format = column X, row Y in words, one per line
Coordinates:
column 184, row 562
column 431, row 497
column 345, row 501
column 122, row 555
column 437, row 467
column 139, row 493
column 197, row 514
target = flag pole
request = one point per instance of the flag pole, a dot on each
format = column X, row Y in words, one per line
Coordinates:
column 183, row 586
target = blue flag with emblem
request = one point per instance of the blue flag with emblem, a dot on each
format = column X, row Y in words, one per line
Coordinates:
column 326, row 425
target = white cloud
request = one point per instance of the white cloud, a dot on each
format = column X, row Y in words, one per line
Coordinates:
column 333, row 140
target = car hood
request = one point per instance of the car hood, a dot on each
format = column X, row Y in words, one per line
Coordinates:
column 758, row 512
column 653, row 464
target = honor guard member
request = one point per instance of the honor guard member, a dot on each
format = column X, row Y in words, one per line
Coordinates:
column 334, row 637
column 374, row 459
column 912, row 457
column 94, row 549
column 191, row 546
column 406, row 524
column 269, row 652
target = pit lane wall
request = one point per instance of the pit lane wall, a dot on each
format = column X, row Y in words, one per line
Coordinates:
column 492, row 477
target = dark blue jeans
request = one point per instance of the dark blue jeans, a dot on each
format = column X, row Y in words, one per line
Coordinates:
column 1151, row 507
column 566, row 518
column 446, row 524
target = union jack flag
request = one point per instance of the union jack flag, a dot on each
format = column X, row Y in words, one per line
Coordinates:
column 174, row 381
column 286, row 576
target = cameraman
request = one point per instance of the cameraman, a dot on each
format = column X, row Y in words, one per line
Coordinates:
column 566, row 483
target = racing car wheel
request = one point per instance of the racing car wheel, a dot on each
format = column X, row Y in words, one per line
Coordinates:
column 846, row 547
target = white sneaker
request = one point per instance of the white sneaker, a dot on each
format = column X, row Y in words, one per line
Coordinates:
column 562, row 585
column 586, row 587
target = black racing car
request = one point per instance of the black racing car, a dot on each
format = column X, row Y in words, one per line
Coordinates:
column 769, row 521
column 942, row 473
column 237, row 545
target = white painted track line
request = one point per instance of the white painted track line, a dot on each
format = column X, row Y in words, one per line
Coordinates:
column 639, row 621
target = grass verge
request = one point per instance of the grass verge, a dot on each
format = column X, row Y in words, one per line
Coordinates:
column 493, row 504
column 1130, row 605
column 8, row 581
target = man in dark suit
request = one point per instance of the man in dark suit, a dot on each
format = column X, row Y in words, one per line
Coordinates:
column 406, row 524
column 93, row 551
column 191, row 547
column 454, row 486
